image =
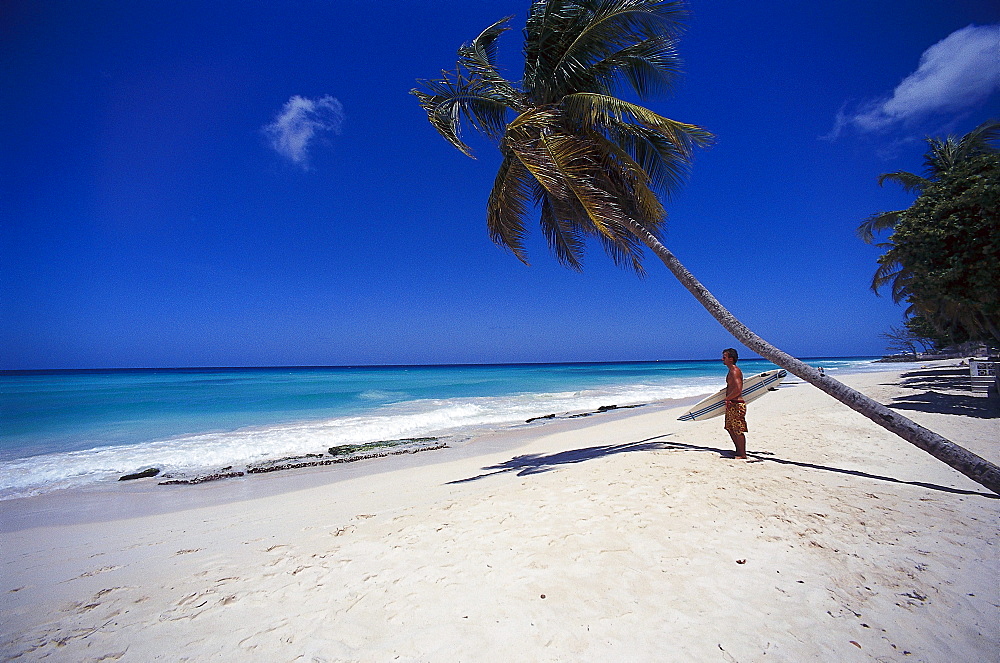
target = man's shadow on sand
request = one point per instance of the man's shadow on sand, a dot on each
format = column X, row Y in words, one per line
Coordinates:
column 528, row 464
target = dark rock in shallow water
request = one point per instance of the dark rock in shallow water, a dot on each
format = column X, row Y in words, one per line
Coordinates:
column 546, row 416
column 201, row 479
column 144, row 474
column 345, row 449
column 342, row 457
column 349, row 454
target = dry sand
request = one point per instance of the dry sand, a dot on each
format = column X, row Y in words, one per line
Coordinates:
column 615, row 537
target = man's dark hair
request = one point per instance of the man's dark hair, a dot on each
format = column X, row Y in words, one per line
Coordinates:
column 733, row 354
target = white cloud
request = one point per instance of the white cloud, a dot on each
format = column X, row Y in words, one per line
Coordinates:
column 958, row 72
column 299, row 122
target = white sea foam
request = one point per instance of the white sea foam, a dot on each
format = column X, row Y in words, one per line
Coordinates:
column 398, row 418
column 415, row 418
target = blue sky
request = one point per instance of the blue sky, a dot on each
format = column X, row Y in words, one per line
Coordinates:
column 240, row 183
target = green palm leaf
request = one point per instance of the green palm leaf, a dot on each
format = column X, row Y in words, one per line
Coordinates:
column 911, row 183
column 507, row 208
column 877, row 223
column 452, row 98
column 479, row 58
column 566, row 239
column 604, row 28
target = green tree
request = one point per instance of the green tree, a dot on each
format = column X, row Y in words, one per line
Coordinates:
column 942, row 255
column 948, row 244
column 594, row 163
column 941, row 156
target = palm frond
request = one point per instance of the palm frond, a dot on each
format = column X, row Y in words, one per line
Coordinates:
column 650, row 67
column 573, row 158
column 901, row 285
column 566, row 239
column 910, row 182
column 605, row 27
column 893, row 274
column 877, row 223
column 665, row 164
column 572, row 162
column 479, row 58
column 481, row 53
column 563, row 164
column 453, row 97
column 944, row 154
column 593, row 111
column 508, row 206
column 661, row 146
column 623, row 247
column 594, row 164
column 630, row 183
column 941, row 156
column 546, row 34
column 981, row 138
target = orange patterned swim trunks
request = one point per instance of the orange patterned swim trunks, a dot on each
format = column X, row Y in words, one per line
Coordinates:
column 736, row 417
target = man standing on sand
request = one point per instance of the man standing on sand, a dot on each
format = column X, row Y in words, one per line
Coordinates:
column 736, row 408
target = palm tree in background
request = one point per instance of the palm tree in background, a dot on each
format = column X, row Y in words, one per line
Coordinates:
column 594, row 163
column 941, row 157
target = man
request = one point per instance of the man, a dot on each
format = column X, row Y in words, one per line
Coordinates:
column 736, row 408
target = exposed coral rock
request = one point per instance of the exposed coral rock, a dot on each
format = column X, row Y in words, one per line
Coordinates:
column 202, row 478
column 142, row 474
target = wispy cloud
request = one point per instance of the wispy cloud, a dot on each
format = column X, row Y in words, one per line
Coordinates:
column 299, row 122
column 958, row 72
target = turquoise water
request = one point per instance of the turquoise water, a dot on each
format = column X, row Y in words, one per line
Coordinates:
column 68, row 428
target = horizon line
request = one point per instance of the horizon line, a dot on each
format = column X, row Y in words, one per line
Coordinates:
column 16, row 371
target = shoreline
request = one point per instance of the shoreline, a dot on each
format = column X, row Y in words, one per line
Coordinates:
column 114, row 500
column 95, row 436
column 621, row 536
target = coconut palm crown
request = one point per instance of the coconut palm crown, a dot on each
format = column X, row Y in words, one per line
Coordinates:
column 592, row 162
column 595, row 163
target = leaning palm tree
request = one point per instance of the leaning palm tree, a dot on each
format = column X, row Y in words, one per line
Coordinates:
column 594, row 163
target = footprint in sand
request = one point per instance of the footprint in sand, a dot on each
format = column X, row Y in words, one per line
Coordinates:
column 91, row 574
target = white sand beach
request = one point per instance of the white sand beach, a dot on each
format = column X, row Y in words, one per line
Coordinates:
column 625, row 536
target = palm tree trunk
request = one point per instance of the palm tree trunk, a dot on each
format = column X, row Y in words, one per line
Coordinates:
column 971, row 465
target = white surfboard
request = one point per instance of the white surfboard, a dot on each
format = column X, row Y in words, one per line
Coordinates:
column 753, row 388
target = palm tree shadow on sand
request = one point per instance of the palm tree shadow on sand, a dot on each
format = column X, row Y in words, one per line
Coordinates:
column 537, row 463
column 944, row 392
column 529, row 464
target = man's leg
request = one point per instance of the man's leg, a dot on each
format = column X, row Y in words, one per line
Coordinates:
column 740, row 442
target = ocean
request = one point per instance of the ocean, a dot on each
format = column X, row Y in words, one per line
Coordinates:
column 65, row 429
